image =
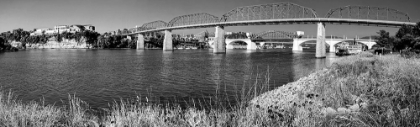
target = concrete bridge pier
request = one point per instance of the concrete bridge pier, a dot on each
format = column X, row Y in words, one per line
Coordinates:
column 332, row 49
column 140, row 41
column 296, row 45
column 320, row 41
column 251, row 46
column 370, row 44
column 167, row 42
column 219, row 40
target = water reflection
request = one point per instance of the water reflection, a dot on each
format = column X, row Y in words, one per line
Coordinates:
column 102, row 76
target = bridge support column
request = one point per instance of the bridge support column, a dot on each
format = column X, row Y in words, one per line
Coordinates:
column 251, row 46
column 140, row 41
column 332, row 49
column 167, row 42
column 296, row 45
column 320, row 41
column 219, row 41
column 370, row 45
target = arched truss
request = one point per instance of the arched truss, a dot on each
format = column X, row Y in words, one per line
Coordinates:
column 132, row 30
column 311, row 42
column 153, row 25
column 201, row 34
column 349, row 41
column 192, row 19
column 366, row 12
column 269, row 11
column 275, row 35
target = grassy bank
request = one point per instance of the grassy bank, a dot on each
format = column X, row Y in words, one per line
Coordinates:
column 362, row 90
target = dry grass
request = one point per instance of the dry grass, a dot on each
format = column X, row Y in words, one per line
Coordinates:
column 388, row 85
column 383, row 88
column 14, row 113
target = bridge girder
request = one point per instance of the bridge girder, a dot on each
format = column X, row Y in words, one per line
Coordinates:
column 283, row 13
column 269, row 11
column 275, row 35
column 153, row 25
column 192, row 19
column 367, row 12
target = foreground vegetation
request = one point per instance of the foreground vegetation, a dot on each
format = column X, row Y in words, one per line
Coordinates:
column 363, row 90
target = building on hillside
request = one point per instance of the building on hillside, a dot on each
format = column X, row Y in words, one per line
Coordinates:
column 89, row 27
column 38, row 31
column 73, row 28
column 50, row 31
column 63, row 28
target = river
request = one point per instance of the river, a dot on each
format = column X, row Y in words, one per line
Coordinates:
column 101, row 76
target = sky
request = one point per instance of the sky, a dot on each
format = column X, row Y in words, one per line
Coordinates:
column 110, row 15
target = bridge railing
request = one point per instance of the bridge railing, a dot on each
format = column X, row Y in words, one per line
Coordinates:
column 367, row 12
column 269, row 11
column 279, row 11
column 193, row 19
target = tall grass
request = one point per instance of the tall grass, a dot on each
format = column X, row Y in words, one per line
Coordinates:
column 219, row 111
column 386, row 88
column 361, row 90
column 14, row 113
column 389, row 85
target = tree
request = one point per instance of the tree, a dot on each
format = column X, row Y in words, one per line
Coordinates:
column 100, row 42
column 384, row 40
column 406, row 37
column 2, row 41
column 90, row 36
column 119, row 32
column 125, row 31
column 408, row 40
column 17, row 34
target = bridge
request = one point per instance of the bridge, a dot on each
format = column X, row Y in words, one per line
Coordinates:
column 273, row 14
column 332, row 43
column 255, row 40
column 252, row 40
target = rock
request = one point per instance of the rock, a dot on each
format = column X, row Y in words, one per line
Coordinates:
column 342, row 110
column 291, row 94
column 363, row 105
column 354, row 108
column 328, row 111
column 354, row 98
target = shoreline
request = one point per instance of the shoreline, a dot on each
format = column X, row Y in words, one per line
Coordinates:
column 352, row 92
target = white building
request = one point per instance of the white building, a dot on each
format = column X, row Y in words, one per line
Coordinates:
column 63, row 28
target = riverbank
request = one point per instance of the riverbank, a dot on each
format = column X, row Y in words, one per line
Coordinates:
column 362, row 90
column 51, row 44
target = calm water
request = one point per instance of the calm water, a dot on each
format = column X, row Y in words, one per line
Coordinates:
column 101, row 76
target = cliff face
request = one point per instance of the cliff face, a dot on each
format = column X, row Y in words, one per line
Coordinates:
column 65, row 44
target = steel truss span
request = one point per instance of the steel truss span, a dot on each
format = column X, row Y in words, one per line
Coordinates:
column 153, row 25
column 283, row 13
column 192, row 19
column 275, row 35
column 369, row 13
column 269, row 11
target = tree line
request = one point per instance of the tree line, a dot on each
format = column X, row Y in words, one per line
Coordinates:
column 92, row 38
column 406, row 40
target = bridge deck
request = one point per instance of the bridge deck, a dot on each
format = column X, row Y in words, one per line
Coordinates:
column 379, row 23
